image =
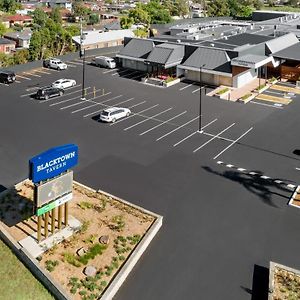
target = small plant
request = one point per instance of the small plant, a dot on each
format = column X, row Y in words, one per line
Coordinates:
column 85, row 205
column 121, row 257
column 84, row 227
column 103, row 283
column 222, row 91
column 246, row 96
column 90, row 239
column 92, row 253
column 118, row 223
column 260, row 87
column 51, row 264
column 71, row 259
column 169, row 79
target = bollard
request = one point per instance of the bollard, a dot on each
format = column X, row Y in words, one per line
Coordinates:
column 94, row 92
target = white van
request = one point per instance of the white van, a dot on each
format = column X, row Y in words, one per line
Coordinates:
column 104, row 61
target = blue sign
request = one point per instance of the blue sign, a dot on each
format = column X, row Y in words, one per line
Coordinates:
column 53, row 162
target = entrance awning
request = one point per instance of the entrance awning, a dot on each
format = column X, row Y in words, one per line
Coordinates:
column 251, row 61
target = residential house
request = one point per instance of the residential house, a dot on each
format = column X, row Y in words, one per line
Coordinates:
column 66, row 4
column 7, row 46
column 19, row 20
column 21, row 38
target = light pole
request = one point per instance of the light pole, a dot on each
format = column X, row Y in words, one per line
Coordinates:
column 200, row 103
column 82, row 54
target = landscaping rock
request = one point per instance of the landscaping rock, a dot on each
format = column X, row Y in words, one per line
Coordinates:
column 81, row 251
column 90, row 271
column 104, row 239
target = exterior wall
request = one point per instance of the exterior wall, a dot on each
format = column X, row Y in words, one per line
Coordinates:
column 7, row 48
column 135, row 65
column 237, row 70
column 243, row 78
column 290, row 73
column 104, row 44
column 225, row 80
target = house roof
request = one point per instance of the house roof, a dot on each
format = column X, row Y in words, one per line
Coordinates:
column 250, row 58
column 291, row 53
column 210, row 59
column 4, row 41
column 138, row 48
column 19, row 18
column 166, row 54
column 281, row 43
column 115, row 25
column 93, row 37
column 245, row 38
column 21, row 35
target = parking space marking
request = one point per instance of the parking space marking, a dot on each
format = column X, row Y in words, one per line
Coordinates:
column 65, row 94
column 135, row 105
column 27, row 73
column 95, row 103
column 185, row 138
column 67, row 100
column 148, row 118
column 264, row 104
column 163, row 123
column 163, row 136
column 1, row 83
column 40, row 71
column 195, row 91
column 119, row 121
column 109, row 71
column 214, row 137
column 119, row 73
column 220, row 137
column 186, row 87
column 74, row 63
column 23, row 77
column 235, row 141
column 84, row 101
column 95, row 112
column 271, row 92
column 17, row 81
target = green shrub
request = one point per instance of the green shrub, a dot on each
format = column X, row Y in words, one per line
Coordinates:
column 90, row 239
column 84, row 227
column 246, row 96
column 92, row 253
column 220, row 92
column 118, row 223
column 51, row 264
column 260, row 87
column 121, row 257
column 169, row 79
column 71, row 259
column 85, row 205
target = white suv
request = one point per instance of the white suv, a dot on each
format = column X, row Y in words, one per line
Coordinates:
column 114, row 113
column 54, row 63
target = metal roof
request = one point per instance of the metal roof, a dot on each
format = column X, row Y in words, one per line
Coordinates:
column 291, row 53
column 245, row 38
column 166, row 54
column 209, row 58
column 139, row 48
column 280, row 43
column 21, row 35
column 250, row 58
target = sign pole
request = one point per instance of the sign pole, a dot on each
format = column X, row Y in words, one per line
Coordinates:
column 52, row 220
column 46, row 224
column 39, row 228
column 66, row 213
column 59, row 217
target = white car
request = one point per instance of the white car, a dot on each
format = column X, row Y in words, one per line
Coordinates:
column 54, row 63
column 112, row 114
column 64, row 83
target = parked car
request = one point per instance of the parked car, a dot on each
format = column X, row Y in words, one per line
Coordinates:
column 48, row 92
column 64, row 83
column 54, row 63
column 104, row 61
column 112, row 114
column 7, row 76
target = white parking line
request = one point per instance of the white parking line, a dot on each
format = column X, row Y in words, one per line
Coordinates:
column 1, row 83
column 185, row 139
column 148, row 118
column 95, row 112
column 219, row 137
column 186, row 87
column 74, row 63
column 65, row 94
column 119, row 73
column 233, row 143
column 214, row 137
column 183, row 126
column 109, row 71
column 27, row 73
column 135, row 105
column 95, row 104
column 264, row 104
column 67, row 100
column 163, row 123
column 271, row 92
column 135, row 114
column 40, row 71
column 195, row 91
column 83, row 101
column 23, row 77
column 17, row 81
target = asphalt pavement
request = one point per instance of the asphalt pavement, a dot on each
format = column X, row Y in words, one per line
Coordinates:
column 222, row 225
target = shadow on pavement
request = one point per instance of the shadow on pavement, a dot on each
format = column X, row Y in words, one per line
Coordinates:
column 254, row 184
column 2, row 188
column 260, row 284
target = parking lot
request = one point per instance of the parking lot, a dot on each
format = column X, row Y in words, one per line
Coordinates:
column 221, row 222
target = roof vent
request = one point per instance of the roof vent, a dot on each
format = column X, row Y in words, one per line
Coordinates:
column 212, row 44
column 178, row 41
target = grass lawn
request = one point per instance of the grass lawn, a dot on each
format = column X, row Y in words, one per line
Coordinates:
column 17, row 283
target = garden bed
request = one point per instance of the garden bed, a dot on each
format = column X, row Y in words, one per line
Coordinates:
column 120, row 226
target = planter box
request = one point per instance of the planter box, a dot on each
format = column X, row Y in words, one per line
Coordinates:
column 244, row 101
column 225, row 95
column 175, row 81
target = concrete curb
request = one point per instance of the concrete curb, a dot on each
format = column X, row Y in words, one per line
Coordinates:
column 274, row 265
column 44, row 276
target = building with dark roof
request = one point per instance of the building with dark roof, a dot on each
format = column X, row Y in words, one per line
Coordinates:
column 7, row 46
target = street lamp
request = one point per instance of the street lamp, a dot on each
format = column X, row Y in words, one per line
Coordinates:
column 82, row 54
column 200, row 103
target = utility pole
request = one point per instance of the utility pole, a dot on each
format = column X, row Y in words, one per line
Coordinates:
column 82, row 54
